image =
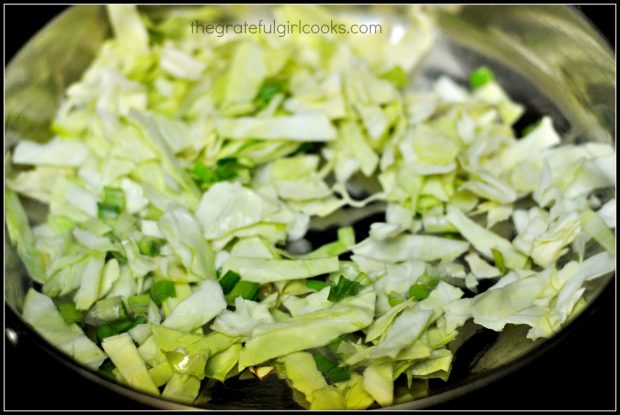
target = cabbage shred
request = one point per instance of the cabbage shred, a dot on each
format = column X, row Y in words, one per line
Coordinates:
column 182, row 166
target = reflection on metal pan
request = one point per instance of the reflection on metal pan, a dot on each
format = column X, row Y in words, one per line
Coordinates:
column 548, row 58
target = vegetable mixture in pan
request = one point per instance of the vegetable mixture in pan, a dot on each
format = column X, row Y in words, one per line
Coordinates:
column 185, row 171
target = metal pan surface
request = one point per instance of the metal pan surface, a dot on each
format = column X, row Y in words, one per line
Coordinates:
column 546, row 57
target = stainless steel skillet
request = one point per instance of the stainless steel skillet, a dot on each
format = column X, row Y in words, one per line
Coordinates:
column 547, row 57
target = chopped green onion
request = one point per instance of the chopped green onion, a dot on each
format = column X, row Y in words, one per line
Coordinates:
column 334, row 345
column 119, row 326
column 480, row 77
column 393, row 300
column 114, row 196
column 423, row 287
column 427, row 280
column 363, row 279
column 122, row 259
column 269, row 89
column 140, row 320
column 323, row 363
column 346, row 235
column 105, row 311
column 226, row 168
column 245, row 289
column 122, row 326
column 397, row 76
column 338, row 374
column 138, row 304
column 498, row 257
column 331, row 371
column 343, row 288
column 419, row 292
column 307, row 147
column 107, row 210
column 203, row 174
column 105, row 331
column 153, row 213
column 156, row 37
column 113, row 203
column 530, row 128
column 69, row 313
column 107, row 367
column 316, row 285
column 229, row 280
column 161, row 290
column 150, row 246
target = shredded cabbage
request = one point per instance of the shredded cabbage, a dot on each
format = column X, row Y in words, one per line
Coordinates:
column 186, row 180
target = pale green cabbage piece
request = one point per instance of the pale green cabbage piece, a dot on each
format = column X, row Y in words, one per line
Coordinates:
column 263, row 270
column 542, row 300
column 380, row 324
column 403, row 247
column 545, row 237
column 480, row 268
column 596, row 227
column 181, row 65
column 128, row 28
column 90, row 281
column 125, row 285
column 403, row 331
column 378, row 382
column 309, row 330
column 311, row 302
column 593, row 267
column 301, row 127
column 242, row 84
column 41, row 313
column 22, row 236
column 93, row 241
column 182, row 231
column 340, row 134
column 356, row 397
column 301, row 371
column 484, row 240
column 241, row 322
column 221, row 364
column 227, row 207
column 71, row 199
column 168, row 339
column 170, row 163
column 124, row 354
column 52, row 153
column 438, row 364
column 182, row 388
column 37, row 183
column 608, row 213
column 200, row 307
column 253, row 247
column 540, row 138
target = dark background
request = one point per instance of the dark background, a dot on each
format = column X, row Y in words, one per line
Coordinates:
column 578, row 373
